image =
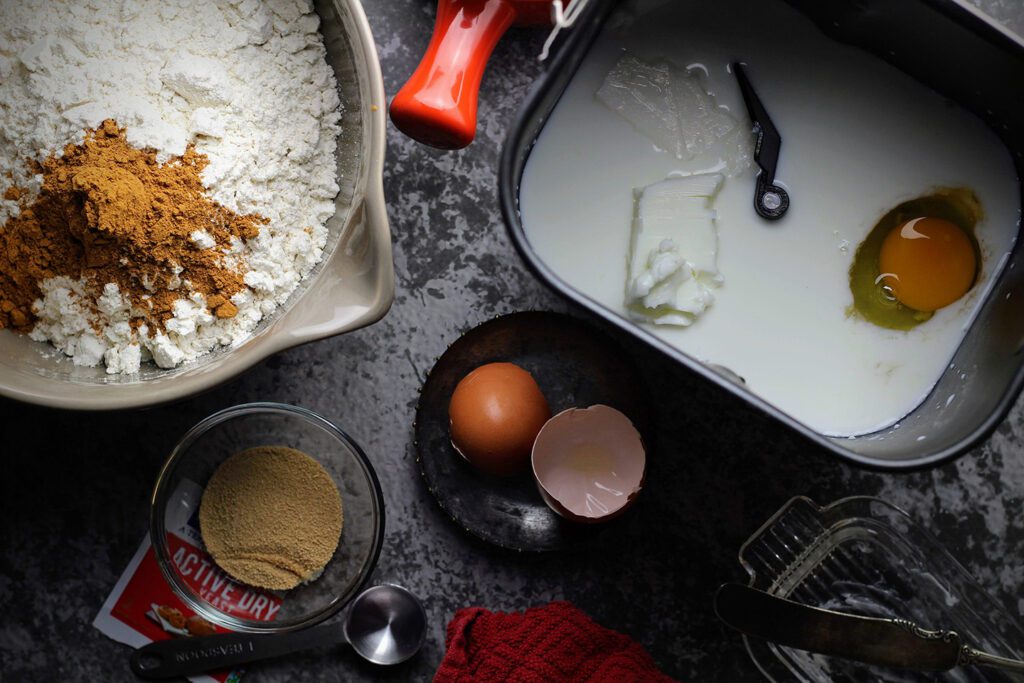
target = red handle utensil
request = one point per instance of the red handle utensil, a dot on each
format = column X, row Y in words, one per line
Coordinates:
column 437, row 106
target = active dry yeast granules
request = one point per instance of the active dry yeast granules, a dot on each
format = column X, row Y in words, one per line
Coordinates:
column 271, row 517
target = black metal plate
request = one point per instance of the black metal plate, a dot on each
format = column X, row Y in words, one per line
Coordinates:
column 576, row 365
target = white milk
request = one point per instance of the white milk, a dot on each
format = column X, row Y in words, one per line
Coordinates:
column 859, row 137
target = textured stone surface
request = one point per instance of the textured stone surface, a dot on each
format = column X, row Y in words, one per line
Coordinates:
column 74, row 486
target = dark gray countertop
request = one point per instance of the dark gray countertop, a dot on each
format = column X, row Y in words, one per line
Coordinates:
column 74, row 486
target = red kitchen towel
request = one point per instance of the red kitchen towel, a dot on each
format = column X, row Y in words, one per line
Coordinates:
column 552, row 644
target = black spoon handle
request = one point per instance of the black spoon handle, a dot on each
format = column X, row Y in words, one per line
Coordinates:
column 770, row 200
column 188, row 656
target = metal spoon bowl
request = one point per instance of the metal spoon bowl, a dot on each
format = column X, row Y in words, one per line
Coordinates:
column 385, row 625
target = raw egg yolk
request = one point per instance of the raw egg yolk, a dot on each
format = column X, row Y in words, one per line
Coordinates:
column 495, row 413
column 928, row 263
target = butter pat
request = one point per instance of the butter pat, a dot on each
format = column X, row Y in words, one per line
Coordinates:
column 673, row 108
column 673, row 250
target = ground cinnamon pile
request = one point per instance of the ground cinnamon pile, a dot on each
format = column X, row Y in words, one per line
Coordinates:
column 108, row 212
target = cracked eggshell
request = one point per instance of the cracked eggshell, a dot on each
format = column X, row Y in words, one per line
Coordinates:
column 589, row 463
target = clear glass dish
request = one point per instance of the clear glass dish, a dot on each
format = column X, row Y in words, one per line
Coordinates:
column 864, row 556
column 177, row 541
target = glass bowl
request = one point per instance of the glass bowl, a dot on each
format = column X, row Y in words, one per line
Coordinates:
column 177, row 541
column 865, row 556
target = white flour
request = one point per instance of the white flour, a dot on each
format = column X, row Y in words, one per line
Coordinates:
column 246, row 81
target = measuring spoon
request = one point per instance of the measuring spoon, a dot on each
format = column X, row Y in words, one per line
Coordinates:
column 385, row 625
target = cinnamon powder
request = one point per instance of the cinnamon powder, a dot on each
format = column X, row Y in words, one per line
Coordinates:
column 108, row 212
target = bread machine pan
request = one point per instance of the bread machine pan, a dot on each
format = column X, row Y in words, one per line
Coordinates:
column 966, row 57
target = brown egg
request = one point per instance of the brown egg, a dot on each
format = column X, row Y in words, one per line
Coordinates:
column 495, row 414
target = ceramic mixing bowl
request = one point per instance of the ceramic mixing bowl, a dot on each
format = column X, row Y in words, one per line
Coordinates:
column 353, row 286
